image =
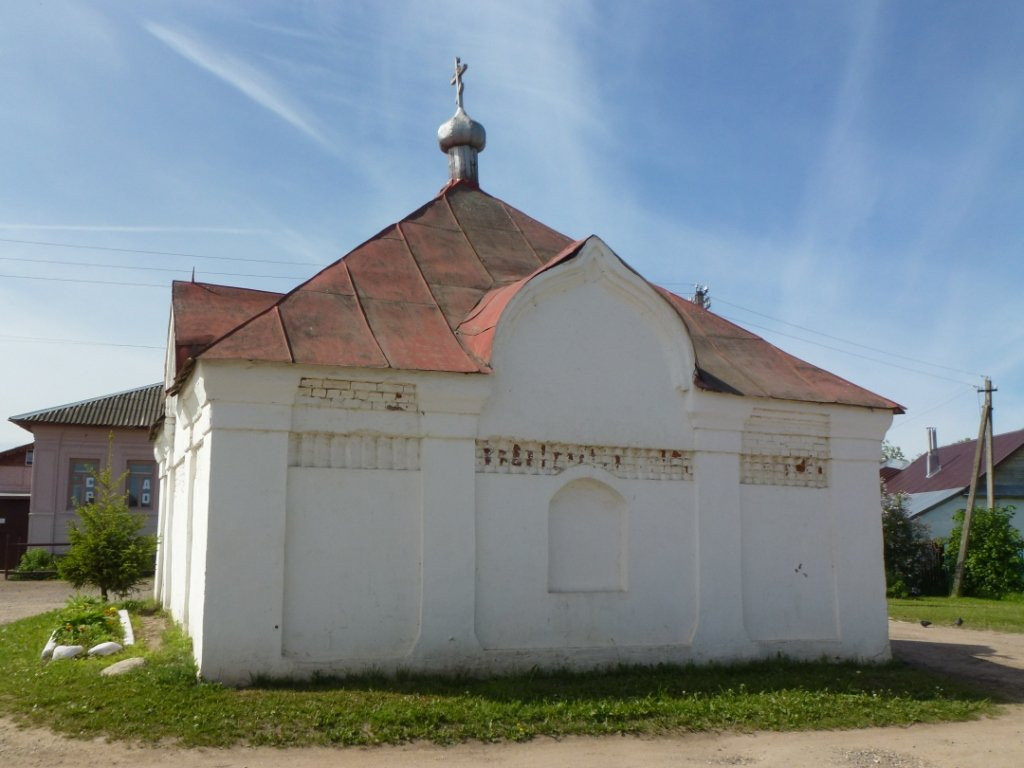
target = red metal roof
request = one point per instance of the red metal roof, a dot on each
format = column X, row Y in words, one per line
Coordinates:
column 955, row 464
column 426, row 294
column 203, row 313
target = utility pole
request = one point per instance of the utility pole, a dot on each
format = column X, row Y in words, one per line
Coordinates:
column 984, row 431
column 990, row 475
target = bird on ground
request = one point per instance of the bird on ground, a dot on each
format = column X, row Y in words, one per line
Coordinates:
column 958, row 621
column 925, row 623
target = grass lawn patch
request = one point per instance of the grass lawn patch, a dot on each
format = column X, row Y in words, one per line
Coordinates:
column 163, row 700
column 1006, row 615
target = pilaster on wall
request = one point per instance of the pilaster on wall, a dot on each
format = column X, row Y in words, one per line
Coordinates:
column 860, row 572
column 247, row 424
column 718, row 433
column 447, row 461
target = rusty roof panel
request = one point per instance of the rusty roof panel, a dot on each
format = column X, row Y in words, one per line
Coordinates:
column 416, row 337
column 733, row 360
column 544, row 240
column 419, row 279
column 455, row 302
column 262, row 338
column 506, row 255
column 204, row 312
column 446, row 257
column 384, row 269
column 329, row 329
column 435, row 214
column 333, row 279
column 478, row 210
column 140, row 407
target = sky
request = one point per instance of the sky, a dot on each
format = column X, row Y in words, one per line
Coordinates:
column 847, row 178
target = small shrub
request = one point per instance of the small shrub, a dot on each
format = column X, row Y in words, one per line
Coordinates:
column 87, row 621
column 37, row 564
column 108, row 548
column 995, row 553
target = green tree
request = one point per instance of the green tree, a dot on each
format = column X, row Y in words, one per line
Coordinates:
column 892, row 452
column 108, row 548
column 994, row 565
column 912, row 562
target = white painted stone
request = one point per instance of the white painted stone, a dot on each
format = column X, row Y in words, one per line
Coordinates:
column 106, row 649
column 50, row 645
column 306, row 526
column 126, row 627
column 66, row 652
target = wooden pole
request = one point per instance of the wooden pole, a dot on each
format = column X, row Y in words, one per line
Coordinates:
column 961, row 558
column 990, row 475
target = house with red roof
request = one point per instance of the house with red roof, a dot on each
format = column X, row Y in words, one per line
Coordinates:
column 476, row 444
column 937, row 482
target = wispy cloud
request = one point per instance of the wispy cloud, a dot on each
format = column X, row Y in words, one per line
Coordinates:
column 241, row 75
column 159, row 229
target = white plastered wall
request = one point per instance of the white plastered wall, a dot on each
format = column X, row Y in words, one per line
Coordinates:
column 339, row 519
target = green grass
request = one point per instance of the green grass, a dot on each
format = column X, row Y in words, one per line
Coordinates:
column 1006, row 615
column 165, row 701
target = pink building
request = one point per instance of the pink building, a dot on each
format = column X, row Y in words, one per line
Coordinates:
column 15, row 488
column 71, row 444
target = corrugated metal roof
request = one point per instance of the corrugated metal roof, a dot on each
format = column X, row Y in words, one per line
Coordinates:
column 426, row 294
column 955, row 464
column 133, row 408
column 919, row 503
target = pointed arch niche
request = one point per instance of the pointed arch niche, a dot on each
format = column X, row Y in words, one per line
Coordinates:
column 587, row 538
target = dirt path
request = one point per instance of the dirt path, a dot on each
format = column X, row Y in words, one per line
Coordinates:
column 994, row 659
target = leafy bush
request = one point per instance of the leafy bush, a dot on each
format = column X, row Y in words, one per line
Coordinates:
column 108, row 548
column 913, row 562
column 37, row 564
column 995, row 553
column 87, row 621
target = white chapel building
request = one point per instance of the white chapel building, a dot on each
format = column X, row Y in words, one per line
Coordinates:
column 474, row 444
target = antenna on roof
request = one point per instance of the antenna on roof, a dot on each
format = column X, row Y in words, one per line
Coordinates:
column 462, row 137
column 701, row 296
column 193, row 273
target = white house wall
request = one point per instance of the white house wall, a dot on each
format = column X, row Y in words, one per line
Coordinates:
column 583, row 504
column 352, row 564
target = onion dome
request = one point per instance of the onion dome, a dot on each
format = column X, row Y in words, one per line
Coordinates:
column 461, row 137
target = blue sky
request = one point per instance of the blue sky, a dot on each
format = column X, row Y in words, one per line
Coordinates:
column 848, row 178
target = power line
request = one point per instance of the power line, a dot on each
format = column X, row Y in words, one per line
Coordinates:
column 905, row 421
column 177, row 270
column 45, row 340
column 853, row 354
column 834, row 338
column 847, row 341
column 88, row 282
column 176, row 254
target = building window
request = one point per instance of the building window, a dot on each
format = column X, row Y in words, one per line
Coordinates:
column 82, row 485
column 140, row 484
column 29, row 455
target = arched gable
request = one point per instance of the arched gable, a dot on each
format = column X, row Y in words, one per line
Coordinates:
column 587, row 351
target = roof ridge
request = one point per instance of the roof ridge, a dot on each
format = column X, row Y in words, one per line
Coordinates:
column 505, row 207
column 362, row 310
column 465, row 237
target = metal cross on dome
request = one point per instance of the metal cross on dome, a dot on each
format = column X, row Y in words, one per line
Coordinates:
column 460, row 69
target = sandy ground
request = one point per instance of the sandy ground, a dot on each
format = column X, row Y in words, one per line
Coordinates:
column 992, row 659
